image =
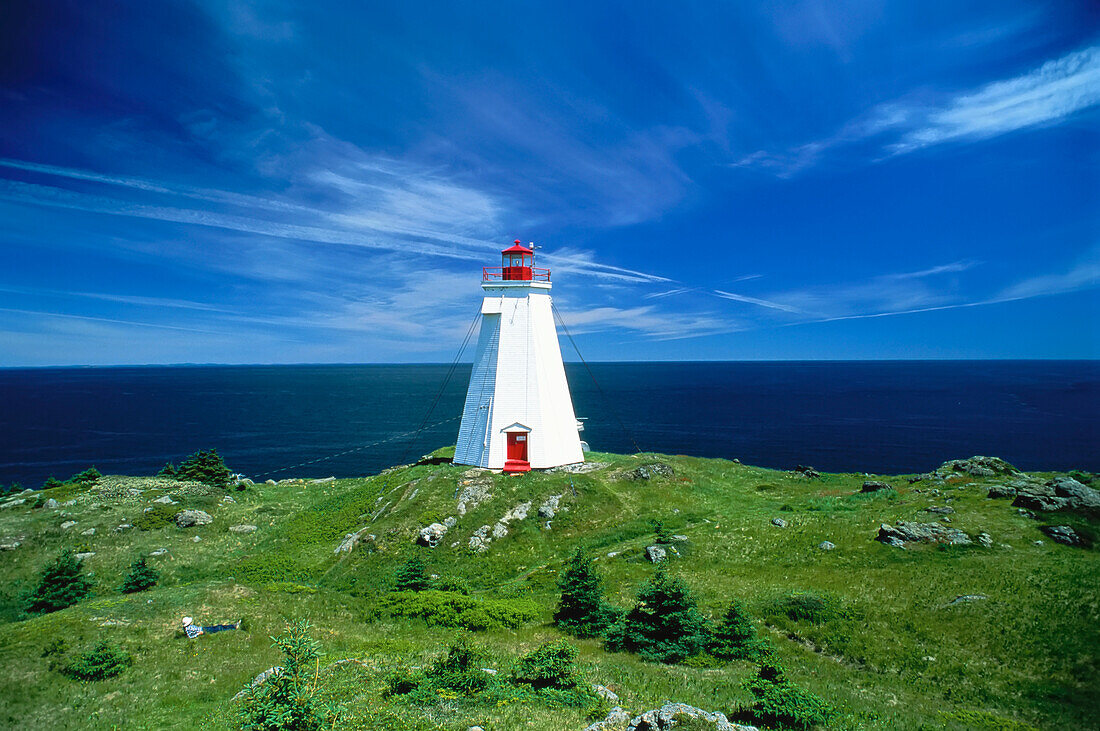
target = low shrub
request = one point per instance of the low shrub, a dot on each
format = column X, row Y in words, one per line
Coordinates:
column 451, row 609
column 552, row 665
column 61, row 583
column 52, row 482
column 804, row 606
column 105, row 660
column 778, row 702
column 455, row 584
column 161, row 516
column 289, row 699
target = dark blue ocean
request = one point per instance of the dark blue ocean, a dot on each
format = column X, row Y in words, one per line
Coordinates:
column 883, row 416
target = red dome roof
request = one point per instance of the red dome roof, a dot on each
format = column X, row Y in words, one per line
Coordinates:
column 517, row 248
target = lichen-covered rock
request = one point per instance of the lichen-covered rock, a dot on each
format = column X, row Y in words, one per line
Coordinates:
column 656, row 554
column 579, row 468
column 671, row 716
column 605, row 693
column 779, row 523
column 1077, row 495
column 475, row 485
column 480, row 540
column 940, row 509
column 649, row 471
column 258, row 680
column 242, row 529
column 189, row 518
column 351, row 540
column 517, row 513
column 165, row 500
column 616, row 720
column 68, row 524
column 549, row 507
column 875, row 486
column 50, row 504
column 904, row 532
column 979, row 466
column 998, row 492
column 1039, row 497
column 826, row 545
column 431, row 535
column 500, row 530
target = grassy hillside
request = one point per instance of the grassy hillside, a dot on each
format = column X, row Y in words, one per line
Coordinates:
column 896, row 653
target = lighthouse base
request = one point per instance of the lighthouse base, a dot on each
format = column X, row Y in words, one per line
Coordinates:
column 515, row 466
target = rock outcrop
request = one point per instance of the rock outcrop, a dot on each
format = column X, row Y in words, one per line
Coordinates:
column 351, row 540
column 189, row 518
column 431, row 535
column 999, row 492
column 1076, row 495
column 875, row 486
column 672, row 715
column 979, row 466
column 904, row 532
column 649, row 471
column 1064, row 534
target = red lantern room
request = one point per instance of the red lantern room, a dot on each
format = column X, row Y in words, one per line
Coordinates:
column 516, row 262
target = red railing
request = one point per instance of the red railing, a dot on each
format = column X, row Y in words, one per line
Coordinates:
column 515, row 274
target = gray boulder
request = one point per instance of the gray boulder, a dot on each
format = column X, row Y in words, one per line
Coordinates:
column 480, row 539
column 649, row 471
column 1063, row 534
column 904, row 532
column 242, row 529
column 351, row 540
column 826, row 545
column 1001, row 491
column 940, row 509
column 979, row 466
column 779, row 523
column 672, row 715
column 50, row 504
column 1078, row 496
column 431, row 535
column 1039, row 497
column 605, row 693
column 875, row 486
column 258, row 680
column 68, row 524
column 656, row 554
column 85, row 555
column 985, row 540
column 549, row 507
column 450, row 522
column 189, row 518
column 617, row 720
column 165, row 500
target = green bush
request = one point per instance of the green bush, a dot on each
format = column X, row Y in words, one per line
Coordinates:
column 552, row 665
column 169, row 470
column 804, row 606
column 140, row 578
column 412, row 575
column 289, row 699
column 61, row 584
column 205, row 467
column 662, row 535
column 778, row 702
column 105, row 660
column 455, row 584
column 664, row 625
column 450, row 609
column 582, row 611
column 460, row 669
column 735, row 637
column 52, row 482
column 161, row 516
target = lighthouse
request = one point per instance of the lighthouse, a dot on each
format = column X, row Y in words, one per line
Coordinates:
column 518, row 413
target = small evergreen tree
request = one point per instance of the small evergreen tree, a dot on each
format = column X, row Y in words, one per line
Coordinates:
column 412, row 575
column 61, row 584
column 663, row 537
column 288, row 699
column 582, row 611
column 86, row 478
column 778, row 702
column 140, row 578
column 52, row 482
column 735, row 636
column 105, row 660
column 206, row 467
column 169, row 470
column 664, row 626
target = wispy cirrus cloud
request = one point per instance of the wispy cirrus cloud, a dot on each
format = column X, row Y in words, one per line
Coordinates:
column 1047, row 95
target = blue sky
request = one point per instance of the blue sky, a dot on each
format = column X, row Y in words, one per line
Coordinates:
column 270, row 182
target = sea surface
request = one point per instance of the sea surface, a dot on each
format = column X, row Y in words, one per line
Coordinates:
column 344, row 420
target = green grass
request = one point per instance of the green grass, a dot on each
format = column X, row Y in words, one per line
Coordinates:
column 888, row 653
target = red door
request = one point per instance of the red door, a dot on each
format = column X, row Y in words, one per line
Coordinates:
column 517, row 447
column 517, row 453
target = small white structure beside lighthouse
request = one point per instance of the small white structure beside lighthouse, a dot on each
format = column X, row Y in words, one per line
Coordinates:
column 518, row 413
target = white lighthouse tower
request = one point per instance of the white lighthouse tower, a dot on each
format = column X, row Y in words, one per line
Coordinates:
column 518, row 413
